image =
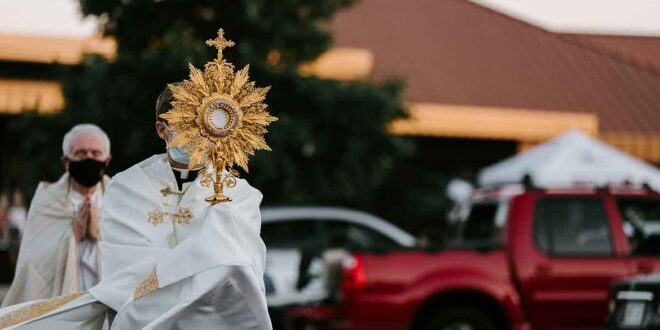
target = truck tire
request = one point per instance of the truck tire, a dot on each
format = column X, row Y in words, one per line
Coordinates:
column 458, row 318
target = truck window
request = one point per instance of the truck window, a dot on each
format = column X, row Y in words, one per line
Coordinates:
column 481, row 225
column 572, row 226
column 641, row 223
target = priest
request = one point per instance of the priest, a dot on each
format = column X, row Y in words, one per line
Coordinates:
column 178, row 252
column 171, row 260
column 58, row 253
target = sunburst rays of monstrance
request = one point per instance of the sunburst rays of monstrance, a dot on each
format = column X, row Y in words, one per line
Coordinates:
column 219, row 118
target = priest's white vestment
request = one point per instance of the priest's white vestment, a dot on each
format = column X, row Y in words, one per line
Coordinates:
column 170, row 260
column 48, row 261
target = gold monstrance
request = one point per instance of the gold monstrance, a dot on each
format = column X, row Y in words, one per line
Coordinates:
column 219, row 118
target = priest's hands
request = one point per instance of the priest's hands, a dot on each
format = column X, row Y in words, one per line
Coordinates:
column 86, row 221
column 80, row 220
column 93, row 228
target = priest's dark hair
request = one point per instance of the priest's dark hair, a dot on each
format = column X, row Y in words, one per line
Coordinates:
column 163, row 101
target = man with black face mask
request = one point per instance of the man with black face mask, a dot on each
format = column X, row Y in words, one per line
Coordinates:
column 59, row 249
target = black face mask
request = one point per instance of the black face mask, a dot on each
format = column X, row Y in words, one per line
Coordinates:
column 88, row 172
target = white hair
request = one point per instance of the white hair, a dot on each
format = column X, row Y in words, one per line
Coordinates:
column 83, row 128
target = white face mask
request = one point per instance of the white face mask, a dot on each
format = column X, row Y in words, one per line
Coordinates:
column 176, row 153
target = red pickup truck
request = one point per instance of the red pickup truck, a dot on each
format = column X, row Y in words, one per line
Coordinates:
column 548, row 264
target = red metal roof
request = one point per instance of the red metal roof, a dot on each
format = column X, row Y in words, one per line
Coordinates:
column 641, row 49
column 457, row 52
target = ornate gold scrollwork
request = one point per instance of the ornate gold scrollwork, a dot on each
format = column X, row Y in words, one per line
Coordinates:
column 183, row 216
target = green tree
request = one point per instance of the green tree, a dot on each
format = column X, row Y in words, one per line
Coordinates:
column 330, row 145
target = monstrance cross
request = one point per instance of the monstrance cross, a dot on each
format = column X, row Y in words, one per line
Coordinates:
column 220, row 43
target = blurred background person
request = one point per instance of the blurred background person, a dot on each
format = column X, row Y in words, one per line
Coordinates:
column 59, row 253
column 4, row 220
column 16, row 217
column 6, row 266
column 16, row 213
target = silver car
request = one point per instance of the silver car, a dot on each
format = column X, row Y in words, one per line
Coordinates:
column 296, row 238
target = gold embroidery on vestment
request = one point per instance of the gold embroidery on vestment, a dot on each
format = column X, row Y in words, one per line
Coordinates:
column 168, row 191
column 182, row 217
column 35, row 310
column 149, row 285
column 155, row 218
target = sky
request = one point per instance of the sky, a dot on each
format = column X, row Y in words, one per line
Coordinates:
column 632, row 17
column 627, row 17
column 59, row 18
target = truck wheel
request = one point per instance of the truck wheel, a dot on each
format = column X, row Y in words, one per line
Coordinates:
column 458, row 318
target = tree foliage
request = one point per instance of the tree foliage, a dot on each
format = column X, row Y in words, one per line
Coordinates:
column 330, row 145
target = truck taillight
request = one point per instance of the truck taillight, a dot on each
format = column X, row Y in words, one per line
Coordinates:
column 353, row 275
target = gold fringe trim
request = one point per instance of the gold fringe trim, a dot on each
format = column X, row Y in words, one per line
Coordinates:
column 35, row 310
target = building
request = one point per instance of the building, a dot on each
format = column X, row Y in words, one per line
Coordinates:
column 480, row 85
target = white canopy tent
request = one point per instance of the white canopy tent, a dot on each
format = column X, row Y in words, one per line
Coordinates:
column 572, row 159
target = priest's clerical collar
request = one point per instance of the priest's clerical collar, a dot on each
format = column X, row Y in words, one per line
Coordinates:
column 183, row 176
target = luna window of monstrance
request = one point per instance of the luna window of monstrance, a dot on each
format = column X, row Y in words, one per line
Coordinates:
column 219, row 118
